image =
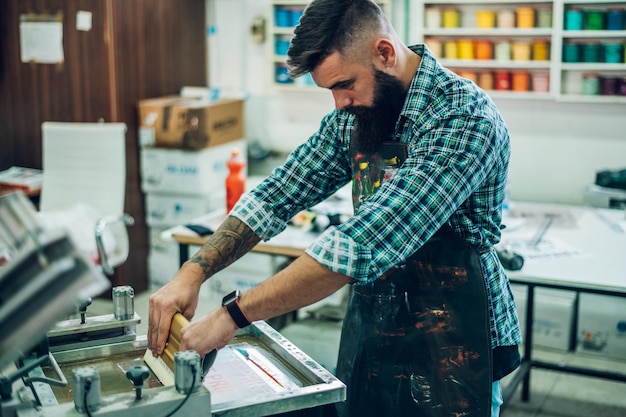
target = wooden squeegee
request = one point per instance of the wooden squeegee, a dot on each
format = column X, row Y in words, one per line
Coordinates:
column 163, row 366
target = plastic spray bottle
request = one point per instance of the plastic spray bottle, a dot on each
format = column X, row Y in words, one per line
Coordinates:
column 236, row 179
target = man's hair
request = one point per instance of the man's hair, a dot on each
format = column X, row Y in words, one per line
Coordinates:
column 334, row 25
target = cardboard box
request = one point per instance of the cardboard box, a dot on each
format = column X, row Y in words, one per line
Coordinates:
column 553, row 315
column 189, row 123
column 602, row 325
column 187, row 172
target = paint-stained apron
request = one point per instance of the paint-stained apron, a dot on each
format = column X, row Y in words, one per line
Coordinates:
column 416, row 341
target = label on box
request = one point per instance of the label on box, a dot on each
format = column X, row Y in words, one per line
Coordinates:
column 187, row 172
column 171, row 209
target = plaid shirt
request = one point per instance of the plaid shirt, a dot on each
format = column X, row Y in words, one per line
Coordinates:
column 455, row 173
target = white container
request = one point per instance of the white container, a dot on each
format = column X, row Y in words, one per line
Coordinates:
column 602, row 325
column 432, row 18
column 553, row 315
column 246, row 273
column 179, row 171
column 163, row 259
column 502, row 51
column 161, row 268
column 175, row 209
column 572, row 82
column 505, row 19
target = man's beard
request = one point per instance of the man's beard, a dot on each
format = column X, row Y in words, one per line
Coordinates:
column 375, row 124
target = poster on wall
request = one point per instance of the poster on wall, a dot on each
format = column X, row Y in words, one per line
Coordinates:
column 41, row 39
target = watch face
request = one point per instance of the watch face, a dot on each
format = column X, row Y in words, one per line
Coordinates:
column 230, row 297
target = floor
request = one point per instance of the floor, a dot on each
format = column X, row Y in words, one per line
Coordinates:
column 557, row 394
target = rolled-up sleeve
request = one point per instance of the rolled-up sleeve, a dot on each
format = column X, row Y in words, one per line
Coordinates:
column 340, row 253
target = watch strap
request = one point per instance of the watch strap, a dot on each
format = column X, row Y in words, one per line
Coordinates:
column 237, row 315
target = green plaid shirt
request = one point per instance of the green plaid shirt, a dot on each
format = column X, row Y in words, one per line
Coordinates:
column 455, row 173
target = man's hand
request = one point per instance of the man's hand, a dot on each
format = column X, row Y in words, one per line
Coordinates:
column 180, row 295
column 215, row 330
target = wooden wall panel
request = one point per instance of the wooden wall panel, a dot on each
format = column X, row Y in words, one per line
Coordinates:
column 136, row 49
column 31, row 93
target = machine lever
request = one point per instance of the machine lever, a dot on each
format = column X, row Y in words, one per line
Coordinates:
column 61, row 382
column 6, row 382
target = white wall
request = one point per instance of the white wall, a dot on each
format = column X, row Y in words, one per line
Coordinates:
column 557, row 147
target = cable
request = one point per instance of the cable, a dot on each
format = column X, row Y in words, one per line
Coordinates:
column 194, row 372
column 87, row 389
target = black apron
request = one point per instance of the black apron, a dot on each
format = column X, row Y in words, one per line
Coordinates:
column 416, row 341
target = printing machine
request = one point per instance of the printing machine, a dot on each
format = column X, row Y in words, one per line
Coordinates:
column 94, row 365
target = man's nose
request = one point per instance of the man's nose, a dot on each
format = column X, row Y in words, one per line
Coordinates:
column 341, row 100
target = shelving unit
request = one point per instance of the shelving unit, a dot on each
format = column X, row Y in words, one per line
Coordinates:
column 283, row 18
column 565, row 78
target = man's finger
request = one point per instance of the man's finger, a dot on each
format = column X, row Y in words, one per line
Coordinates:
column 152, row 326
column 163, row 331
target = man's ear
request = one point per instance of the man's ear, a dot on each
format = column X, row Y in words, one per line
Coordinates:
column 385, row 52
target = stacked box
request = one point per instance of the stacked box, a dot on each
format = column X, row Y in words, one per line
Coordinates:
column 181, row 185
column 602, row 325
column 185, row 144
column 163, row 259
column 553, row 315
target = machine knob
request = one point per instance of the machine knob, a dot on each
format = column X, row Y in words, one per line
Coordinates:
column 137, row 374
column 82, row 308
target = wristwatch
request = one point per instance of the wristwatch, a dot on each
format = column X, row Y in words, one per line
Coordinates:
column 231, row 303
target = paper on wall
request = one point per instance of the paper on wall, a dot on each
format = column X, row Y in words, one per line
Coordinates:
column 41, row 42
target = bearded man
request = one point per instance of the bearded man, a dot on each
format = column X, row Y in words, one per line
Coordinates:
column 431, row 325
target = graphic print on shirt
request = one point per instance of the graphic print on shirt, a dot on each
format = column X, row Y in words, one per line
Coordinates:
column 370, row 171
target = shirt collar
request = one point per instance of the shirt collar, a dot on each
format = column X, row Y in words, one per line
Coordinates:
column 422, row 84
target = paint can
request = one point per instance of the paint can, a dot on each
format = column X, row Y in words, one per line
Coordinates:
column 465, row 48
column 571, row 52
column 483, row 49
column 485, row 19
column 615, row 19
column 594, row 19
column 432, row 18
column 540, row 82
column 520, row 51
column 573, row 19
column 450, row 18
column 503, row 51
column 591, row 84
column 506, row 18
column 541, row 51
column 525, row 17
column 503, row 80
column 520, row 81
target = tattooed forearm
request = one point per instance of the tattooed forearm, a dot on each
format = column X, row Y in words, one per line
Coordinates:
column 231, row 240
